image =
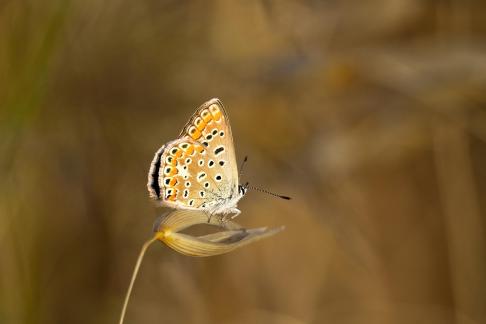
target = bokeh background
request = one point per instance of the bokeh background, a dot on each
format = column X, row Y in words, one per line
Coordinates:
column 370, row 114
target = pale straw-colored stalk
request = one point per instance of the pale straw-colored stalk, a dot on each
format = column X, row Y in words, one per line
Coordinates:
column 134, row 275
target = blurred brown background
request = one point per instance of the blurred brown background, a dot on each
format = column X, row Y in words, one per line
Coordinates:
column 370, row 114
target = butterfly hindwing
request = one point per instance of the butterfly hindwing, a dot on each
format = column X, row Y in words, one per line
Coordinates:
column 170, row 174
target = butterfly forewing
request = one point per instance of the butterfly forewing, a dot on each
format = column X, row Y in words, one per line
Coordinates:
column 210, row 127
column 198, row 169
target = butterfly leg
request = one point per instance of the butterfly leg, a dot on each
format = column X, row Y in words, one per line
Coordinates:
column 235, row 212
column 230, row 214
column 222, row 219
column 210, row 215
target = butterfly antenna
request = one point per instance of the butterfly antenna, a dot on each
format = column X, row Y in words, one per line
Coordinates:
column 267, row 192
column 242, row 166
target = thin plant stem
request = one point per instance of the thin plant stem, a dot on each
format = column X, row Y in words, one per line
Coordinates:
column 134, row 275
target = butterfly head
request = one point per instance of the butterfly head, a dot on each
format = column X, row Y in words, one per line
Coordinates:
column 242, row 189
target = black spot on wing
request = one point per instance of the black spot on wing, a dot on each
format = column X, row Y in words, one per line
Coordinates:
column 218, row 150
column 201, row 175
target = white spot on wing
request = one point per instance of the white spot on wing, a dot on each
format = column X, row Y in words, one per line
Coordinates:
column 183, row 172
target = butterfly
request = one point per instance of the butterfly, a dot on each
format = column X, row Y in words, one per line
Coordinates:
column 198, row 171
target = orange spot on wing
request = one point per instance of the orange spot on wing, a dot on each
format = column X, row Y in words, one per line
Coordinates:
column 199, row 149
column 200, row 123
column 187, row 148
column 194, row 133
column 172, row 182
column 176, row 153
column 215, row 111
column 190, row 149
column 206, row 115
column 171, row 161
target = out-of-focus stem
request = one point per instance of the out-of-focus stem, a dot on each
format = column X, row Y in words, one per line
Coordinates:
column 134, row 275
column 463, row 220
